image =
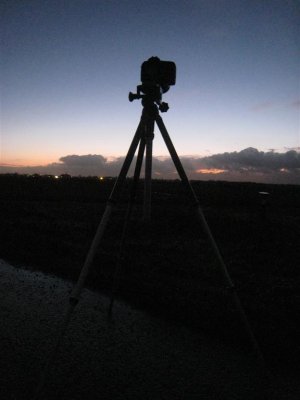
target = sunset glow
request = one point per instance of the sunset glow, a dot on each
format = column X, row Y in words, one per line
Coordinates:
column 213, row 171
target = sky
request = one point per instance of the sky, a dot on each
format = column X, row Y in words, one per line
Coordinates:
column 67, row 67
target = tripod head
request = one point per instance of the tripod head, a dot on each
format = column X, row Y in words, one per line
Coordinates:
column 157, row 76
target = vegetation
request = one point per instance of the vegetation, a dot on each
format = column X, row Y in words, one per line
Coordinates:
column 168, row 268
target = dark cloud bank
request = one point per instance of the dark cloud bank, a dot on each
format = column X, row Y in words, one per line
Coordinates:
column 246, row 165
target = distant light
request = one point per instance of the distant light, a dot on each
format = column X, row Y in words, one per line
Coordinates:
column 56, row 176
column 101, row 178
column 264, row 193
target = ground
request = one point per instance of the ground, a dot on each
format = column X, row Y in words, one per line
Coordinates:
column 168, row 268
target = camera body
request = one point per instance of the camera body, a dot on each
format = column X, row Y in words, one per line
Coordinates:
column 156, row 76
column 157, row 72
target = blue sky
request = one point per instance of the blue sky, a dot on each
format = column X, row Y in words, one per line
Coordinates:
column 67, row 68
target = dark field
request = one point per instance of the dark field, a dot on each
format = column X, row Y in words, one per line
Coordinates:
column 168, row 267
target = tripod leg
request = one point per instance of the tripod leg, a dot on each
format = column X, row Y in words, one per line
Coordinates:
column 127, row 162
column 105, row 218
column 148, row 173
column 137, row 172
column 211, row 239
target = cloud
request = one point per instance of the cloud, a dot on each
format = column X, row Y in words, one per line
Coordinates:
column 297, row 148
column 295, row 104
column 247, row 165
column 90, row 164
column 90, row 160
column 266, row 105
column 262, row 106
column 251, row 159
column 253, row 165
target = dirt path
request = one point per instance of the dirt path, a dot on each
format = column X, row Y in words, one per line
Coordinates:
column 134, row 357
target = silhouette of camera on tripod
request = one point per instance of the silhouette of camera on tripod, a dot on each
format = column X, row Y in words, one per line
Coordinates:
column 156, row 76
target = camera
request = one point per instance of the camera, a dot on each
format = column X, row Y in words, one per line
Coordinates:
column 156, row 76
column 157, row 72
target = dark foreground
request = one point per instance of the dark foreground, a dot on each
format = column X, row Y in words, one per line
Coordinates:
column 168, row 268
column 133, row 356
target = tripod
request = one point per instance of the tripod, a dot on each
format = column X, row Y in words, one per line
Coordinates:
column 143, row 139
